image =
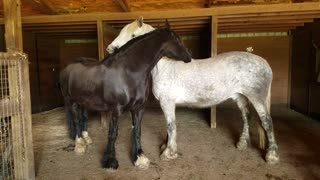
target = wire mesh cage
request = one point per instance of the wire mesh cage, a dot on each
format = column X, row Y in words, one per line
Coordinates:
column 16, row 152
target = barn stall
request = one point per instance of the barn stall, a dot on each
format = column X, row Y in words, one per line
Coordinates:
column 285, row 33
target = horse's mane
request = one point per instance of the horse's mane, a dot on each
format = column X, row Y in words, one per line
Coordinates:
column 109, row 58
column 86, row 61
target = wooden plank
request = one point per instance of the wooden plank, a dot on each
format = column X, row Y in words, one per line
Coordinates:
column 226, row 10
column 214, row 51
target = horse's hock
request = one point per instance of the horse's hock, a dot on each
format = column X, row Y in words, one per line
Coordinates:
column 16, row 151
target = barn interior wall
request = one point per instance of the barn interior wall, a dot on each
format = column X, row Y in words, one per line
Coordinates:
column 48, row 54
column 29, row 47
column 275, row 49
column 305, row 71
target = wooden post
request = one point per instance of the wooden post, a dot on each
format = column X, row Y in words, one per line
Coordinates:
column 101, row 51
column 22, row 138
column 12, row 20
column 214, row 44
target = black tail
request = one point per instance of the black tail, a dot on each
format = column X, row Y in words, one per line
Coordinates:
column 71, row 123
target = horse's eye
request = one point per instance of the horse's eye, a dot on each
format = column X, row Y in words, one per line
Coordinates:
column 133, row 36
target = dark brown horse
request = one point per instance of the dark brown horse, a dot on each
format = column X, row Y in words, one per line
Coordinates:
column 118, row 83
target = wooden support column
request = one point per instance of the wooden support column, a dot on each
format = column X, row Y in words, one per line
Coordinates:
column 21, row 124
column 214, row 44
column 12, row 20
column 101, row 51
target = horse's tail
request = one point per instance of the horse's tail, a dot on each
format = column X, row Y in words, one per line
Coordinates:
column 268, row 101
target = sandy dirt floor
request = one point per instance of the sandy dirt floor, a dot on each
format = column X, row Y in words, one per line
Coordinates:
column 204, row 153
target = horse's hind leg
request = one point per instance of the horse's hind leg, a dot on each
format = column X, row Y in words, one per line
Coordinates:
column 272, row 155
column 243, row 105
column 84, row 126
column 138, row 157
column 80, row 145
column 170, row 151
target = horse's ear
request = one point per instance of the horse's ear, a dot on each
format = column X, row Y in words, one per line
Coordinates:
column 167, row 24
column 140, row 21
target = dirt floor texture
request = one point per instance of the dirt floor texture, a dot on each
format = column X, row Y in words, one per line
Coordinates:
column 204, row 153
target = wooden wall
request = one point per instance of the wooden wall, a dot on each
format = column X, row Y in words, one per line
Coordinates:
column 305, row 89
column 48, row 54
column 275, row 49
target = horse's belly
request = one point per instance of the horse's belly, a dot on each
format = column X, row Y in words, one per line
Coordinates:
column 92, row 103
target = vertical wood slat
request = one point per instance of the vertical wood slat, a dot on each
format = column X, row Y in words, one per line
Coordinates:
column 214, row 44
column 100, row 27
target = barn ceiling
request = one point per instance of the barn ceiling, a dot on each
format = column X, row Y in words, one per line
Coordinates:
column 232, row 15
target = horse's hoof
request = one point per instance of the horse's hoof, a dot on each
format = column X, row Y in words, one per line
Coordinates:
column 142, row 162
column 242, row 144
column 110, row 164
column 168, row 155
column 272, row 157
column 88, row 140
column 80, row 146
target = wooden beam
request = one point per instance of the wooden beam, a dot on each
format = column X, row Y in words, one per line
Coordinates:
column 269, row 18
column 294, row 13
column 12, row 20
column 44, row 6
column 222, row 24
column 124, row 5
column 214, row 51
column 253, row 30
column 185, row 13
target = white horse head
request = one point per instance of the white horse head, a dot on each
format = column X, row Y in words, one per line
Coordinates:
column 130, row 31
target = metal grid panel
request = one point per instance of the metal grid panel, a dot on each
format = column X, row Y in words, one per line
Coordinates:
column 12, row 118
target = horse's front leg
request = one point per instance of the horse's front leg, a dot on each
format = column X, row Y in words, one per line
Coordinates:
column 170, row 150
column 138, row 157
column 109, row 160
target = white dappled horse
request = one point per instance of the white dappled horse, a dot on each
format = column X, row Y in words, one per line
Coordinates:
column 241, row 76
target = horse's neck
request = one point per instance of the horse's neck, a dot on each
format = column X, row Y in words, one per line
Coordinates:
column 150, row 55
column 163, row 70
